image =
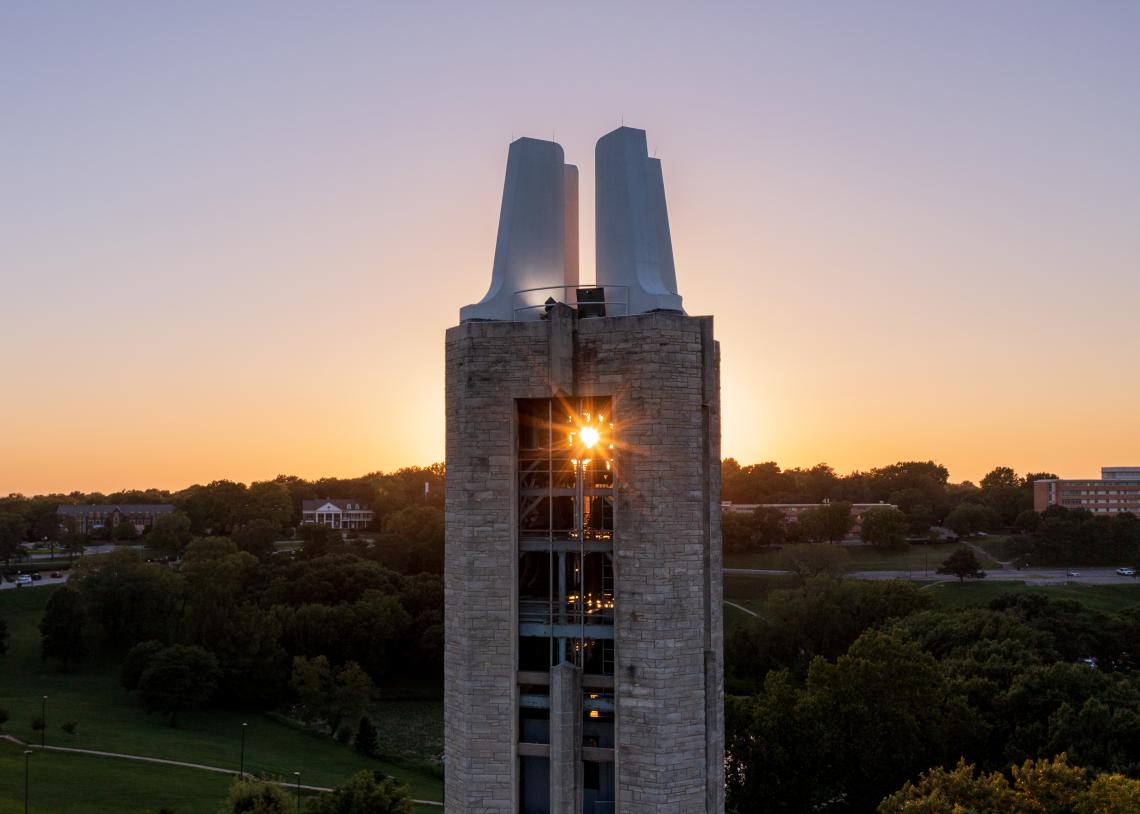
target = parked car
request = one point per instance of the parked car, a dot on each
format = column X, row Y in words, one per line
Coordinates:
column 1126, row 572
column 23, row 579
column 56, row 574
column 37, row 576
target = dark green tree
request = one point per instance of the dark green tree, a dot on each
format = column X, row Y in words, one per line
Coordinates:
column 962, row 564
column 828, row 522
column 138, row 659
column 1001, row 476
column 130, row 600
column 170, row 534
column 61, row 629
column 1027, row 521
column 319, row 541
column 256, row 797
column 966, row 519
column 12, row 533
column 411, row 541
column 363, row 793
column 885, row 528
column 257, row 537
column 365, row 740
column 178, row 678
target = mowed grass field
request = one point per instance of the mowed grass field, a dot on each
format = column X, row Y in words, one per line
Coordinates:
column 84, row 784
column 60, row 782
column 980, row 593
column 110, row 719
column 751, row 591
column 913, row 558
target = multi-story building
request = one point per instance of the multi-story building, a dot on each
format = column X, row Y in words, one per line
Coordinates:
column 336, row 513
column 1117, row 491
column 89, row 517
column 583, row 660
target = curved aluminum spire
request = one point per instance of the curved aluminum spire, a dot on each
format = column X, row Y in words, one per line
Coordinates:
column 634, row 248
column 532, row 249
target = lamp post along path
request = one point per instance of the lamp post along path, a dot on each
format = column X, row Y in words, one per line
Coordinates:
column 27, row 759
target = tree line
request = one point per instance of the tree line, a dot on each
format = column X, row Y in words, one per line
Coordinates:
column 920, row 489
column 840, row 692
column 223, row 506
column 222, row 627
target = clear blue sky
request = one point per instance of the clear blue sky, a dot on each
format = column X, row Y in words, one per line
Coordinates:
column 232, row 234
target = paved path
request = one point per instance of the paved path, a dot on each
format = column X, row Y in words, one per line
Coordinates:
column 179, row 763
column 741, row 608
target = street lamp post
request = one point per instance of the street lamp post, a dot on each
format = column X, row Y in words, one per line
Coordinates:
column 241, row 767
column 27, row 759
column 43, row 722
column 298, row 776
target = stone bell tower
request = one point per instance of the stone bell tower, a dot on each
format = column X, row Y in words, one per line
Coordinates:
column 584, row 651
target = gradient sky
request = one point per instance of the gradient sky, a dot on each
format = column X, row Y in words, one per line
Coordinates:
column 232, row 234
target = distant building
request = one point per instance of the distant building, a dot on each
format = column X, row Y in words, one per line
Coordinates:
column 336, row 513
column 1117, row 491
column 89, row 517
column 792, row 511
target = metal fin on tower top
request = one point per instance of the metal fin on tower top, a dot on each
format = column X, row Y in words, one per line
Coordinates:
column 634, row 247
column 531, row 250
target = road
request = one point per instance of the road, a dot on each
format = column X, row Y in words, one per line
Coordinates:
column 1032, row 576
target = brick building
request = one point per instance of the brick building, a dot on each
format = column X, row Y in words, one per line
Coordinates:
column 1116, row 491
column 89, row 517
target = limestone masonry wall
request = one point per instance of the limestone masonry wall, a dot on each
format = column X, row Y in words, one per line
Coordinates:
column 662, row 371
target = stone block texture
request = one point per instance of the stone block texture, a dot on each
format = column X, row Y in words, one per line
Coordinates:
column 662, row 371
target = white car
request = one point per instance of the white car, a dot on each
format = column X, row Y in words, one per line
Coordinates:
column 24, row 579
column 1126, row 572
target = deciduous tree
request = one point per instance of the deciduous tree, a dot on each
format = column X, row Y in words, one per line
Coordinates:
column 885, row 528
column 256, row 797
column 61, row 629
column 962, row 564
column 170, row 533
column 178, row 678
column 364, row 794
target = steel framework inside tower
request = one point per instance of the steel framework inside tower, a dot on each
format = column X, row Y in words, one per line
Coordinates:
column 566, row 587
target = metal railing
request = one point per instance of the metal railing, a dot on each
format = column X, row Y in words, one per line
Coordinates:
column 588, row 299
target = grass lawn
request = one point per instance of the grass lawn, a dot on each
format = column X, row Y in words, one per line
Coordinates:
column 750, row 590
column 84, row 784
column 999, row 546
column 863, row 557
column 110, row 719
column 981, row 593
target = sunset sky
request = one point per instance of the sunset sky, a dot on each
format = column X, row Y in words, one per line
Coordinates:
column 233, row 234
